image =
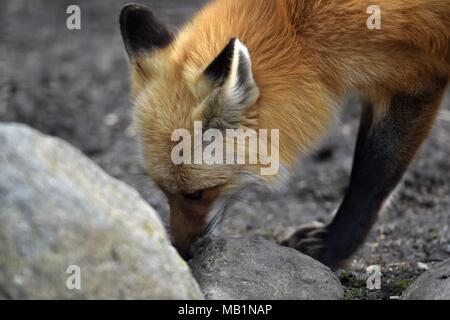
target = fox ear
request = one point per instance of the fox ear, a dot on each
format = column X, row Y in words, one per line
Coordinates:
column 141, row 32
column 231, row 74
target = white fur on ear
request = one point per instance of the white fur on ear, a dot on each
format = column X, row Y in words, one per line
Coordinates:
column 239, row 89
column 235, row 88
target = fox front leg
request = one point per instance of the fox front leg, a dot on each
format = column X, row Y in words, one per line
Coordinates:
column 385, row 146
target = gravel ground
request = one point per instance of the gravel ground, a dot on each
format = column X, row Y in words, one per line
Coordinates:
column 74, row 84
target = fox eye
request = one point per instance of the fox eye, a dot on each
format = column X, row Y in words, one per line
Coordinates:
column 196, row 196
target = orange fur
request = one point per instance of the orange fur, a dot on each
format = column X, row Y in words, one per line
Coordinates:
column 306, row 56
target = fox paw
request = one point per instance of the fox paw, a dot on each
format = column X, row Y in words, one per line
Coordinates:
column 316, row 241
column 308, row 239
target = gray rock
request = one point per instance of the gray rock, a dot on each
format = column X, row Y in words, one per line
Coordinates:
column 58, row 209
column 240, row 268
column 432, row 285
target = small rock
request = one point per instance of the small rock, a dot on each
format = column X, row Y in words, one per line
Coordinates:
column 444, row 115
column 62, row 216
column 447, row 248
column 240, row 268
column 422, row 266
column 111, row 119
column 130, row 131
column 347, row 129
column 432, row 285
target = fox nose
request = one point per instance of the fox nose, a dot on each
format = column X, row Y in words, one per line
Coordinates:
column 186, row 255
column 184, row 249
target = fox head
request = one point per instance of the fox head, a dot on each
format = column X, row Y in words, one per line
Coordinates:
column 171, row 94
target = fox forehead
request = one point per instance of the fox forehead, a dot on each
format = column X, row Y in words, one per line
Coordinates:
column 163, row 97
column 164, row 101
column 173, row 66
column 174, row 84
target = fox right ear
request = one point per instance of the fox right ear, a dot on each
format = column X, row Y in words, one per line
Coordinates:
column 236, row 90
column 141, row 32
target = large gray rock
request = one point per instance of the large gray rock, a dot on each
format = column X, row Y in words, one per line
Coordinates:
column 432, row 285
column 240, row 268
column 58, row 209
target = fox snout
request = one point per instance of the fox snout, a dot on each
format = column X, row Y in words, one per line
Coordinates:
column 189, row 217
column 186, row 227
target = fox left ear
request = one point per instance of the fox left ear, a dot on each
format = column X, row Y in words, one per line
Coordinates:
column 141, row 31
column 231, row 74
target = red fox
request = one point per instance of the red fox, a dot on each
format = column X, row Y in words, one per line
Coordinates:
column 286, row 65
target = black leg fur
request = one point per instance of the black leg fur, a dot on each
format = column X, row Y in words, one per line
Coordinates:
column 384, row 149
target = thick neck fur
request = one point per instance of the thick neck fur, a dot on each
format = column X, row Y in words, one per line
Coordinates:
column 292, row 99
column 307, row 54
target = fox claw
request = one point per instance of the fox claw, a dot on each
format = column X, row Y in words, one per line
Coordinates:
column 308, row 239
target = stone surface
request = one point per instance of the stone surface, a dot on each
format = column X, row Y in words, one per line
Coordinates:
column 432, row 285
column 58, row 209
column 240, row 268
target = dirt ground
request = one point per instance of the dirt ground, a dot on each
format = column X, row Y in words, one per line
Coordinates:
column 74, row 85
